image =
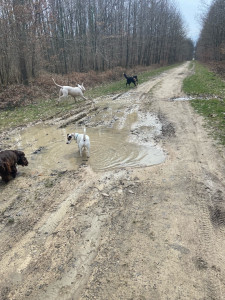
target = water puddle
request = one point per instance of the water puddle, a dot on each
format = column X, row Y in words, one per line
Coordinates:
column 188, row 98
column 182, row 99
column 120, row 137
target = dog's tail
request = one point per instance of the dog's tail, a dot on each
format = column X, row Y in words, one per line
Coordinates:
column 84, row 136
column 125, row 75
column 56, row 83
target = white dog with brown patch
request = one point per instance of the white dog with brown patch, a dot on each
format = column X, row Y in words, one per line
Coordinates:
column 82, row 140
column 67, row 90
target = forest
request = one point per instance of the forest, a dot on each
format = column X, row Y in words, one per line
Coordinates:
column 55, row 36
column 211, row 44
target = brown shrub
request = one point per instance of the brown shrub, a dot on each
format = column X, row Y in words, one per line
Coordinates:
column 217, row 67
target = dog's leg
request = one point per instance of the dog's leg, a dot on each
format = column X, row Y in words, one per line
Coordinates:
column 63, row 93
column 5, row 178
column 13, row 171
column 83, row 97
column 60, row 95
column 88, row 152
column 80, row 146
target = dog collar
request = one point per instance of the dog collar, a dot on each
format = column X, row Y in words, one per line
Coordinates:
column 76, row 135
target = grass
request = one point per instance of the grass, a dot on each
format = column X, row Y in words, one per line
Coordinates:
column 204, row 83
column 211, row 103
column 43, row 109
column 120, row 86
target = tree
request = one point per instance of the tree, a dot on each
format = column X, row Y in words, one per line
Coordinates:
column 81, row 35
column 210, row 45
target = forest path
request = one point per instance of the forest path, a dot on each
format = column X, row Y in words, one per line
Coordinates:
column 155, row 232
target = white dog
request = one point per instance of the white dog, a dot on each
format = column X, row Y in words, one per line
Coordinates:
column 66, row 90
column 82, row 140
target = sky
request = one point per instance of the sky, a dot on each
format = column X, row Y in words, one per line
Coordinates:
column 191, row 11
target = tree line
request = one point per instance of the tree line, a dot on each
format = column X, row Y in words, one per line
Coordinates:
column 61, row 36
column 211, row 43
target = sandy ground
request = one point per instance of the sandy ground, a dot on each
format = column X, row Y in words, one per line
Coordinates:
column 148, row 233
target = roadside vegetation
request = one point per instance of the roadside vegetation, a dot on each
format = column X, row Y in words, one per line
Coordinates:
column 120, row 86
column 208, row 88
column 41, row 109
column 210, row 50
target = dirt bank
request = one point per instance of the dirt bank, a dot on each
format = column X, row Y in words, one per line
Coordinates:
column 155, row 232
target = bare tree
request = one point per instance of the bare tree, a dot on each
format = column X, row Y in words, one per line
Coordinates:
column 211, row 43
column 81, row 35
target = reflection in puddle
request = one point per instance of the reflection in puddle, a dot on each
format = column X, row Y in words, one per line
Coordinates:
column 125, row 140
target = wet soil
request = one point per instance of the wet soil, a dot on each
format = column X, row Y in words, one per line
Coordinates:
column 117, row 226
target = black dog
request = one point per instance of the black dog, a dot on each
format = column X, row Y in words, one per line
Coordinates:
column 8, row 161
column 130, row 80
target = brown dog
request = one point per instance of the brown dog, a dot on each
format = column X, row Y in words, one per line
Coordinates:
column 8, row 161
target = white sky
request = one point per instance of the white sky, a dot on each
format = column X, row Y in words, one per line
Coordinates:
column 191, row 11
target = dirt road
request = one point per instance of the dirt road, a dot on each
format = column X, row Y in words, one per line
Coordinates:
column 155, row 232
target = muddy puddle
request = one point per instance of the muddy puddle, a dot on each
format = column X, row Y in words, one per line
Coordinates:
column 120, row 136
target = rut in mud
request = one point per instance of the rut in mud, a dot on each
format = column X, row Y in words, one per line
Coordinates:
column 143, row 218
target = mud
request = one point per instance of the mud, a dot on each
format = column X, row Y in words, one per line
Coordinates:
column 143, row 218
column 123, row 138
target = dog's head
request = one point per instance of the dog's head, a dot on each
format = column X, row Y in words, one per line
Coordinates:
column 69, row 138
column 21, row 159
column 81, row 87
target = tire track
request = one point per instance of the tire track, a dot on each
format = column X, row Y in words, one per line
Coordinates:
column 207, row 255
